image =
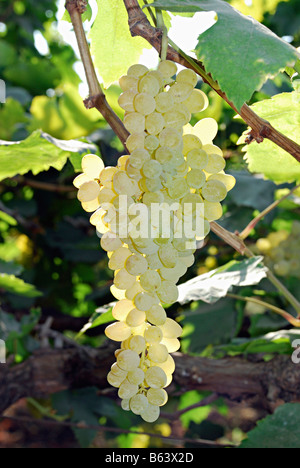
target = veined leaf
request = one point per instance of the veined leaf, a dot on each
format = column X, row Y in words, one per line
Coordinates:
column 17, row 286
column 279, row 430
column 214, row 285
column 113, row 47
column 239, row 53
column 283, row 112
column 37, row 153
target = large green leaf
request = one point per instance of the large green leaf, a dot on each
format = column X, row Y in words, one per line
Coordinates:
column 37, row 153
column 113, row 47
column 17, row 286
column 214, row 285
column 279, row 430
column 283, row 112
column 240, row 53
column 209, row 325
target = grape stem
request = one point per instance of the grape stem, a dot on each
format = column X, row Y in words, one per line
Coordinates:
column 164, row 39
column 96, row 97
column 260, row 128
column 292, row 320
column 245, row 233
column 238, row 244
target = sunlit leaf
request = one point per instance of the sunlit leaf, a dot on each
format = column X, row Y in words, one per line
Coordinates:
column 113, row 47
column 214, row 285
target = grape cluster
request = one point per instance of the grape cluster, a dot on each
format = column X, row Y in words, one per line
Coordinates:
column 171, row 164
column 279, row 250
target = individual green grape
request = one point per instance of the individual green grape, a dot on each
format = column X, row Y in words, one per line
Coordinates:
column 127, row 390
column 118, row 258
column 134, row 122
column 110, row 242
column 155, row 377
column 144, row 301
column 88, row 191
column 156, row 315
column 139, row 404
column 191, row 142
column 135, row 318
column 178, row 188
column 171, row 329
column 227, row 179
column 168, row 255
column 129, row 83
column 175, row 119
column 137, row 344
column 170, row 137
column 123, row 279
column 164, row 155
column 187, row 76
column 197, row 101
column 137, row 70
column 121, row 309
column 206, row 129
column 197, row 158
column 92, row 166
column 136, row 265
column 157, row 396
column 151, row 414
column 152, row 169
column 151, row 143
column 143, row 103
column 136, row 376
column 214, row 191
column 150, row 281
column 154, row 123
column 168, row 292
column 164, row 102
column 215, row 164
column 149, row 84
column 123, row 185
column 114, row 380
column 167, row 68
column 80, row 179
column 118, row 331
column 153, row 334
column 135, row 141
column 158, row 353
column 172, row 344
column 138, row 158
column 128, row 360
column 125, row 101
column 212, row 211
column 131, row 292
column 181, row 91
column 196, row 178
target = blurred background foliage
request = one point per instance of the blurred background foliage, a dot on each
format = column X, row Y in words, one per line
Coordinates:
column 50, row 261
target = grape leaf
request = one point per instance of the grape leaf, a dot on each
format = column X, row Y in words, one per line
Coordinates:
column 101, row 316
column 113, row 47
column 17, row 286
column 208, row 325
column 214, row 285
column 239, row 53
column 279, row 430
column 283, row 112
column 10, row 268
column 37, row 153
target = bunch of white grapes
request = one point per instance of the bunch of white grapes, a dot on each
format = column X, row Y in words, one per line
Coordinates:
column 280, row 250
column 171, row 163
